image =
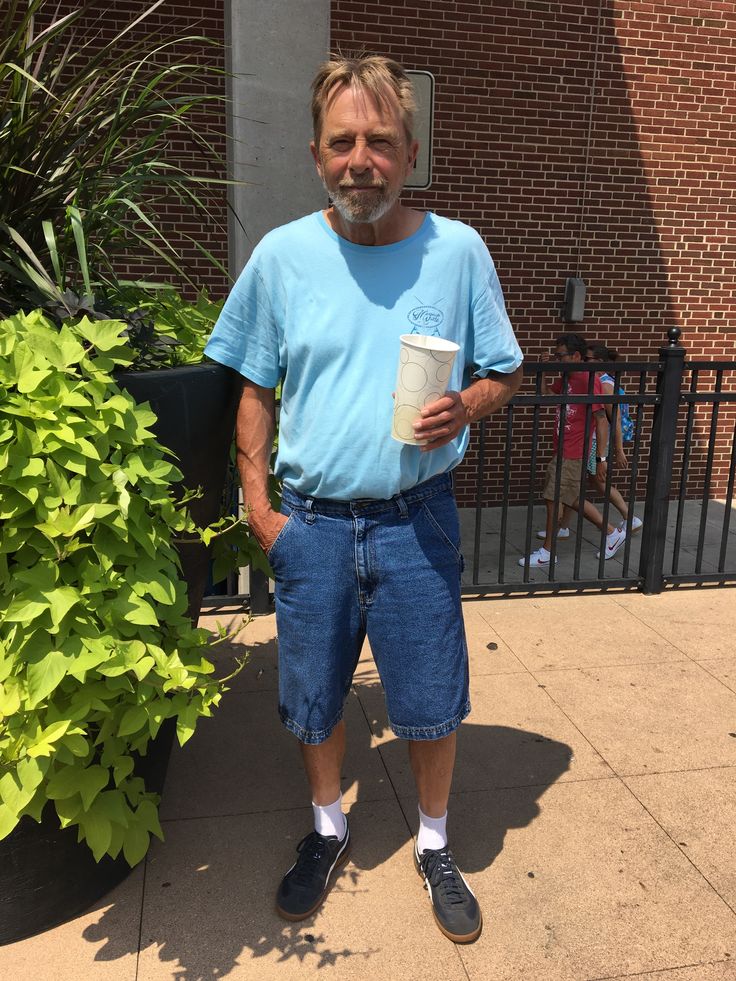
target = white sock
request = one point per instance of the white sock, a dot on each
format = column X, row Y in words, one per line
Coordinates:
column 432, row 832
column 329, row 820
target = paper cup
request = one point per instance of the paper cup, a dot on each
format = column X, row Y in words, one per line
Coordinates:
column 425, row 364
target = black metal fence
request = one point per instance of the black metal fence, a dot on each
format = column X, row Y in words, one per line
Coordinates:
column 672, row 469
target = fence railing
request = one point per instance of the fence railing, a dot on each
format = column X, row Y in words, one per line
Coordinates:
column 660, row 461
column 670, row 475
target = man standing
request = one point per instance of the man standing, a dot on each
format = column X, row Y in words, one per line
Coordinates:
column 367, row 541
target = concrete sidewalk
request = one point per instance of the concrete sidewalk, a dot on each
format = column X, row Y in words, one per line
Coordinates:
column 593, row 810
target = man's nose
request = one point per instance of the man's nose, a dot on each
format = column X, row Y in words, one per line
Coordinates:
column 360, row 158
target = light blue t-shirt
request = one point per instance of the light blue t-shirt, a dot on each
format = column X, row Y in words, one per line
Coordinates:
column 324, row 317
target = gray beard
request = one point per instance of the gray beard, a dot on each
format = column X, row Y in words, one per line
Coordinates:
column 363, row 208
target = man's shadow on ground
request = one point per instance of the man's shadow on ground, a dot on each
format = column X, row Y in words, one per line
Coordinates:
column 210, row 887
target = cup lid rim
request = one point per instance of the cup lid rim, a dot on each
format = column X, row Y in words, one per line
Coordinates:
column 441, row 343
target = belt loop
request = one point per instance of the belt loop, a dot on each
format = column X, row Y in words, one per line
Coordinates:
column 402, row 506
column 310, row 510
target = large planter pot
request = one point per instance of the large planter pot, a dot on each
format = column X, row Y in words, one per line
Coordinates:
column 46, row 876
column 196, row 407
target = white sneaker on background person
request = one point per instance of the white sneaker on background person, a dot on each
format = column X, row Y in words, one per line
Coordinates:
column 561, row 533
column 537, row 560
column 636, row 524
column 614, row 541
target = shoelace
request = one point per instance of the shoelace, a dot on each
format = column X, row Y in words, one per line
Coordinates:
column 442, row 873
column 311, row 851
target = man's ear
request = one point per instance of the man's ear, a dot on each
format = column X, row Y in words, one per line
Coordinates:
column 315, row 156
column 413, row 151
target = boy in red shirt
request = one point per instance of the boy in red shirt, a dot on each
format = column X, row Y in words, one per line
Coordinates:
column 572, row 347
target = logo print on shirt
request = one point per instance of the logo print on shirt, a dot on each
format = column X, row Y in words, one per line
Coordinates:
column 426, row 318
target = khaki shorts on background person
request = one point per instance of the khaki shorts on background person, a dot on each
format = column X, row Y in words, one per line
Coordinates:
column 569, row 481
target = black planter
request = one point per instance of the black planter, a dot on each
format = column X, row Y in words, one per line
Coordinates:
column 46, row 876
column 196, row 407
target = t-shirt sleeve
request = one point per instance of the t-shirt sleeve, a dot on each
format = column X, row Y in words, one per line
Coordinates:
column 246, row 336
column 494, row 347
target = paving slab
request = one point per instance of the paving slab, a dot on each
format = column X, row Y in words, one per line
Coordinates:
column 487, row 651
column 515, row 736
column 724, row 669
column 722, row 971
column 243, row 760
column 574, row 632
column 255, row 642
column 209, row 910
column 699, row 622
column 698, row 810
column 101, row 944
column 649, row 717
column 588, row 887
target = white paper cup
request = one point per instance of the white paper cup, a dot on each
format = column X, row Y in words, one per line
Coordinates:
column 425, row 364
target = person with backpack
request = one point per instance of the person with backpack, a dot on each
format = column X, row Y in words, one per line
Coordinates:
column 623, row 433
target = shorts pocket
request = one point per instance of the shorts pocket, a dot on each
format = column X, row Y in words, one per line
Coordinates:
column 277, row 543
column 441, row 515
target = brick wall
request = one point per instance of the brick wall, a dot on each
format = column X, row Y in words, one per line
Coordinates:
column 181, row 225
column 633, row 192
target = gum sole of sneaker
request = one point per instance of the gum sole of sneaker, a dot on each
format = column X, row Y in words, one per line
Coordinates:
column 455, row 937
column 295, row 917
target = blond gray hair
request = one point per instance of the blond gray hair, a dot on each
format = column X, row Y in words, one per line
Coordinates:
column 373, row 74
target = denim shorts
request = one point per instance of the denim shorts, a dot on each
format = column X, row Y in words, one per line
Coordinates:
column 386, row 569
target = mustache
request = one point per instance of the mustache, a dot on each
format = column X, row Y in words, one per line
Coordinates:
column 346, row 185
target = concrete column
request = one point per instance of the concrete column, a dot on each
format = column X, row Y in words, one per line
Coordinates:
column 274, row 47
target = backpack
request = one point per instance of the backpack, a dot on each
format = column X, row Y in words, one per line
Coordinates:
column 627, row 423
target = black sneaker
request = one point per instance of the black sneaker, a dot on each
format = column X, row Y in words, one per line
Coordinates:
column 454, row 906
column 307, row 882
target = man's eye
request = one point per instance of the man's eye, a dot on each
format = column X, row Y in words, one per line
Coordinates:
column 381, row 144
column 340, row 145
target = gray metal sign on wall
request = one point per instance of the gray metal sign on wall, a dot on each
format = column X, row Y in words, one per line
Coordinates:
column 423, row 82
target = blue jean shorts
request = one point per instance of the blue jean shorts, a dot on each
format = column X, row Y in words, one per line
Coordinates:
column 389, row 570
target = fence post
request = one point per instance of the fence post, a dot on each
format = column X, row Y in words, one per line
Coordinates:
column 260, row 603
column 659, row 471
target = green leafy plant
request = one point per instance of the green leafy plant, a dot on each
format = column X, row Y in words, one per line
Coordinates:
column 96, row 651
column 185, row 325
column 85, row 165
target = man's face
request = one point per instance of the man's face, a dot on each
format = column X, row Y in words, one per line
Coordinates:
column 363, row 156
column 562, row 354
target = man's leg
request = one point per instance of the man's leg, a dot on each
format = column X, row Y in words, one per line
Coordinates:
column 415, row 627
column 323, row 765
column 316, row 661
column 432, row 762
column 455, row 907
column 615, row 497
column 615, row 537
column 541, row 557
column 591, row 512
column 305, row 885
column 551, row 526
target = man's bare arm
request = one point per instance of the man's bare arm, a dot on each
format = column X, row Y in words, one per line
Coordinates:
column 255, row 430
column 601, row 439
column 442, row 420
